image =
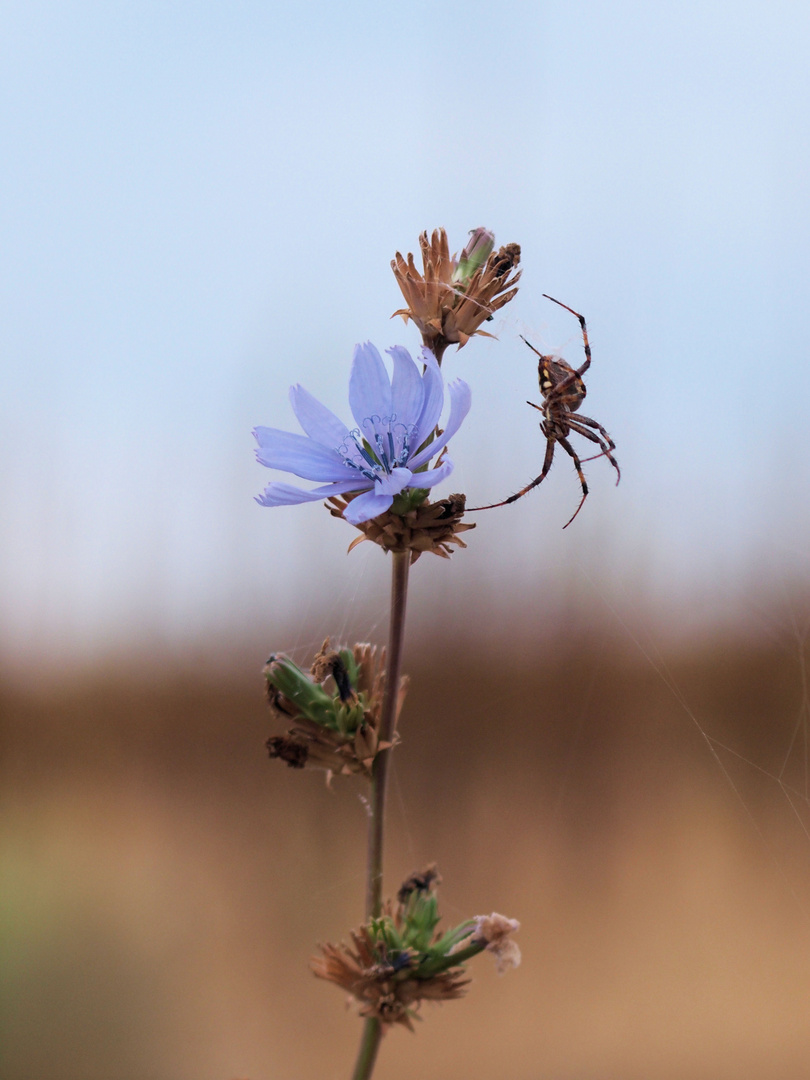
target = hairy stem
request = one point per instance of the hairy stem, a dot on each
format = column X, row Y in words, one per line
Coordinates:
column 372, row 1029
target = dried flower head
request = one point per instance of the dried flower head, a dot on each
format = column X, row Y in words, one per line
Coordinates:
column 334, row 725
column 454, row 295
column 433, row 527
column 399, row 960
column 384, row 988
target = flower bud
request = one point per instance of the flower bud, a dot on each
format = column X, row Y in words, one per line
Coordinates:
column 474, row 255
column 308, row 699
column 333, row 712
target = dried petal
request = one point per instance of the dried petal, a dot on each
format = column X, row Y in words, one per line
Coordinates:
column 495, row 930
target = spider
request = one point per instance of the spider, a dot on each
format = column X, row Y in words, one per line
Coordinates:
column 563, row 391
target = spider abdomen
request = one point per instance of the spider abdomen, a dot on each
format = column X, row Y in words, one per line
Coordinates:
column 554, row 375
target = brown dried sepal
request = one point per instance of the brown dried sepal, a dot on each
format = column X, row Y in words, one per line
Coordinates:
column 448, row 312
column 389, row 995
column 311, row 745
column 433, row 527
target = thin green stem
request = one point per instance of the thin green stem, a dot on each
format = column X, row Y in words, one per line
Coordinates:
column 369, row 1045
column 372, row 1029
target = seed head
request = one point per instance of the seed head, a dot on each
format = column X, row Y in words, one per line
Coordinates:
column 454, row 295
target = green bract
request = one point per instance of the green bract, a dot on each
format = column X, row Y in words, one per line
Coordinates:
column 407, row 944
column 329, row 710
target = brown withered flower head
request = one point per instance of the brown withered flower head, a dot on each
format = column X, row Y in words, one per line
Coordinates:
column 333, row 713
column 429, row 526
column 382, row 988
column 396, row 962
column 454, row 295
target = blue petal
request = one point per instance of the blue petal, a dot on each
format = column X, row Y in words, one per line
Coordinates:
column 460, row 400
column 394, row 482
column 318, row 422
column 407, row 389
column 276, row 494
column 369, row 385
column 298, row 454
column 434, row 397
column 432, row 477
column 367, row 506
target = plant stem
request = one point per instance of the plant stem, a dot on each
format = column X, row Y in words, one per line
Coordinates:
column 369, row 1045
column 372, row 1029
column 379, row 779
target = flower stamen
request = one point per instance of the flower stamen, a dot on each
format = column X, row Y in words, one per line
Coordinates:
column 387, row 457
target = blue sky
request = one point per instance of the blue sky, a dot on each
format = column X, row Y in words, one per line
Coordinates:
column 198, row 207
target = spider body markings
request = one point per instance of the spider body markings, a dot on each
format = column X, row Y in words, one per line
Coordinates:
column 563, row 392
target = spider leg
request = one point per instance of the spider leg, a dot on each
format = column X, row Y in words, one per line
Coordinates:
column 566, row 445
column 525, row 342
column 572, row 426
column 603, row 453
column 587, row 364
column 580, row 419
column 607, row 444
column 606, row 453
column 537, row 480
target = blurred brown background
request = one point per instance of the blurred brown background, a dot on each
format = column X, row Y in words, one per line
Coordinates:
column 643, row 813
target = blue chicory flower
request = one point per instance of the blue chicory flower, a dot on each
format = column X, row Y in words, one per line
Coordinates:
column 382, row 456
